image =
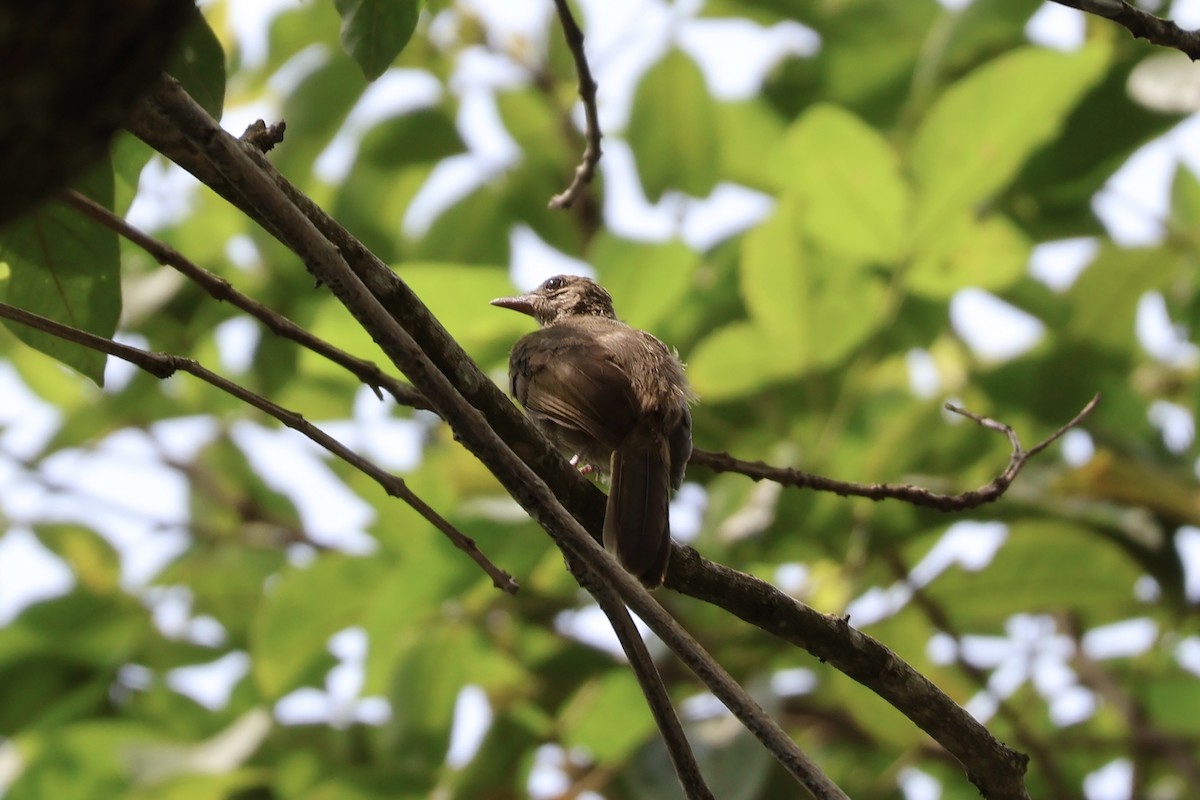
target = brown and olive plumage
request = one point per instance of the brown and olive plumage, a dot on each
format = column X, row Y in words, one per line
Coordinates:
column 614, row 396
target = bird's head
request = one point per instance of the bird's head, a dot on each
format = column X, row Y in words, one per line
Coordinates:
column 562, row 296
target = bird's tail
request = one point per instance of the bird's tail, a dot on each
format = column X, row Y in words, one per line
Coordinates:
column 636, row 523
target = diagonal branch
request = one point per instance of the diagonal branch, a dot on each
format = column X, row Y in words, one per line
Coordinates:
column 1142, row 24
column 916, row 495
column 587, row 93
column 164, row 365
column 994, row 768
column 221, row 289
column 253, row 183
column 687, row 769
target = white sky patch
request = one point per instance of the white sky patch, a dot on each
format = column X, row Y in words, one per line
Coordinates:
column 548, row 778
column 395, row 92
column 787, row 682
column 243, row 253
column 1057, row 264
column 687, row 512
column 1176, row 423
column 1113, row 781
column 736, row 54
column 27, row 423
column 1072, row 705
column 165, row 195
column 791, row 578
column 533, row 261
column 1160, row 337
column 1186, row 13
column 1187, row 542
column 992, row 328
column 1124, row 639
column 211, row 685
column 237, row 339
column 1134, row 200
column 590, row 626
column 918, row 785
column 331, row 514
column 117, row 371
column 472, row 718
column 29, row 573
column 728, row 211
column 182, row 438
column 626, row 209
column 1057, row 27
column 923, row 376
column 1188, row 654
column 1077, row 447
column 251, row 25
column 375, row 433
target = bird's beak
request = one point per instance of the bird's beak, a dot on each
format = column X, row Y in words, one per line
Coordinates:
column 524, row 303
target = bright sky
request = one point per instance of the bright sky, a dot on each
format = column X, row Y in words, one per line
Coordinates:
column 144, row 512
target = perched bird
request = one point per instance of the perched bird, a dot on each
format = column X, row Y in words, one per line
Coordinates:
column 613, row 396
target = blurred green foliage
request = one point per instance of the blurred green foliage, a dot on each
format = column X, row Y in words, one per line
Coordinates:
column 917, row 153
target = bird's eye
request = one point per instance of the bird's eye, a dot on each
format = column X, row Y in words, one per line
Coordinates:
column 554, row 284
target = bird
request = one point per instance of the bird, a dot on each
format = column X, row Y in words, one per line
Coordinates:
column 613, row 397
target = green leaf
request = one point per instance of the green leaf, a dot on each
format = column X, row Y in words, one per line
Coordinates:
column 199, row 64
column 991, row 253
column 459, row 296
column 1043, row 566
column 422, row 136
column 673, row 129
column 1103, row 300
column 747, row 129
column 737, row 360
column 375, row 31
column 1185, row 199
column 429, row 674
column 814, row 306
column 291, row 630
column 608, row 717
column 647, row 281
column 984, row 127
column 847, row 177
column 66, row 267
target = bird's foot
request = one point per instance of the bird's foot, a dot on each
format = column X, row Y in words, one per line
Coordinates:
column 584, row 469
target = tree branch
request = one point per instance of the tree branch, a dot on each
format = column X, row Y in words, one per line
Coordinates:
column 687, row 769
column 223, row 290
column 254, row 182
column 916, row 495
column 164, row 365
column 587, row 93
column 994, row 768
column 1142, row 24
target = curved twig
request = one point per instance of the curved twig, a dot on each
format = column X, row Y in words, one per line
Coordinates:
column 587, row 93
column 916, row 495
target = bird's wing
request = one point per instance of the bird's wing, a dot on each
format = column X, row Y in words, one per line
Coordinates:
column 574, row 383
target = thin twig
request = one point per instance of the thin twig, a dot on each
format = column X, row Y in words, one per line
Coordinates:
column 164, row 365
column 245, row 169
column 687, row 769
column 916, row 495
column 1142, row 24
column 223, row 290
column 587, row 93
